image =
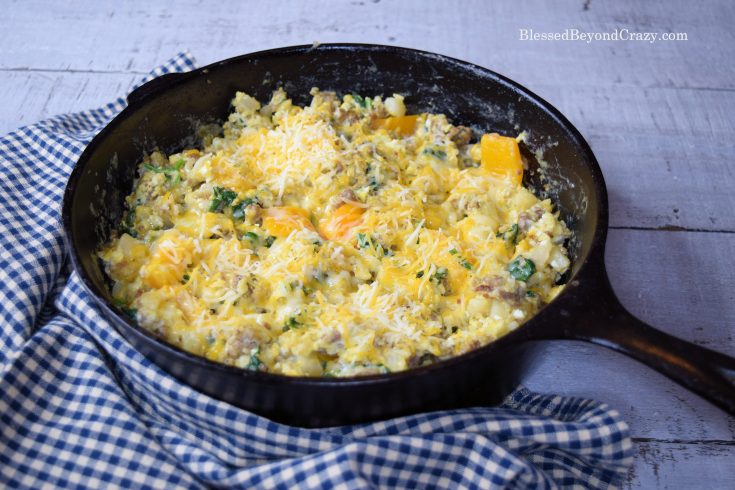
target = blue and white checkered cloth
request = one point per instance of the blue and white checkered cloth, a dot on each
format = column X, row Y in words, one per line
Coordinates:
column 80, row 408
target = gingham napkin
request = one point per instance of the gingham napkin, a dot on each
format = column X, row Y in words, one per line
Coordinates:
column 80, row 408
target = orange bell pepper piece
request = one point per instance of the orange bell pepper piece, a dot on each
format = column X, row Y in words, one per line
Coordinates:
column 281, row 221
column 342, row 220
column 501, row 157
column 172, row 254
column 403, row 125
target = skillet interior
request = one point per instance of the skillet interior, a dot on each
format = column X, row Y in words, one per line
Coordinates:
column 469, row 95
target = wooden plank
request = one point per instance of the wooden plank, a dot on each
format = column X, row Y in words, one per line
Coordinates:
column 666, row 153
column 665, row 278
column 661, row 465
column 653, row 406
column 29, row 96
column 482, row 32
column 683, row 283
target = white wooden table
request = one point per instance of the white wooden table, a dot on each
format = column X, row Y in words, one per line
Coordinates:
column 658, row 115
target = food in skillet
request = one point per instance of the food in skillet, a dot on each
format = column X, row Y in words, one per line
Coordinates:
column 342, row 238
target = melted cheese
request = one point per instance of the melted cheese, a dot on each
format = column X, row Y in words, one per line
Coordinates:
column 337, row 239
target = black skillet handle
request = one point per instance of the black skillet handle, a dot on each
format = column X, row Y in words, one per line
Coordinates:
column 154, row 86
column 606, row 322
column 709, row 373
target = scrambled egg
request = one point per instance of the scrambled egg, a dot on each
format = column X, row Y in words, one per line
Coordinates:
column 342, row 238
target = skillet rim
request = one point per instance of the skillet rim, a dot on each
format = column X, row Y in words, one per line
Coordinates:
column 522, row 333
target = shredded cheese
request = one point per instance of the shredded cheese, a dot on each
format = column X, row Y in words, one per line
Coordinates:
column 314, row 241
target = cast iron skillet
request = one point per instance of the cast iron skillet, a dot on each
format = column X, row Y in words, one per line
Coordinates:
column 163, row 114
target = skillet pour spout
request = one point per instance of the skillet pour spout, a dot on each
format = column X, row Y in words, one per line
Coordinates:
column 164, row 114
